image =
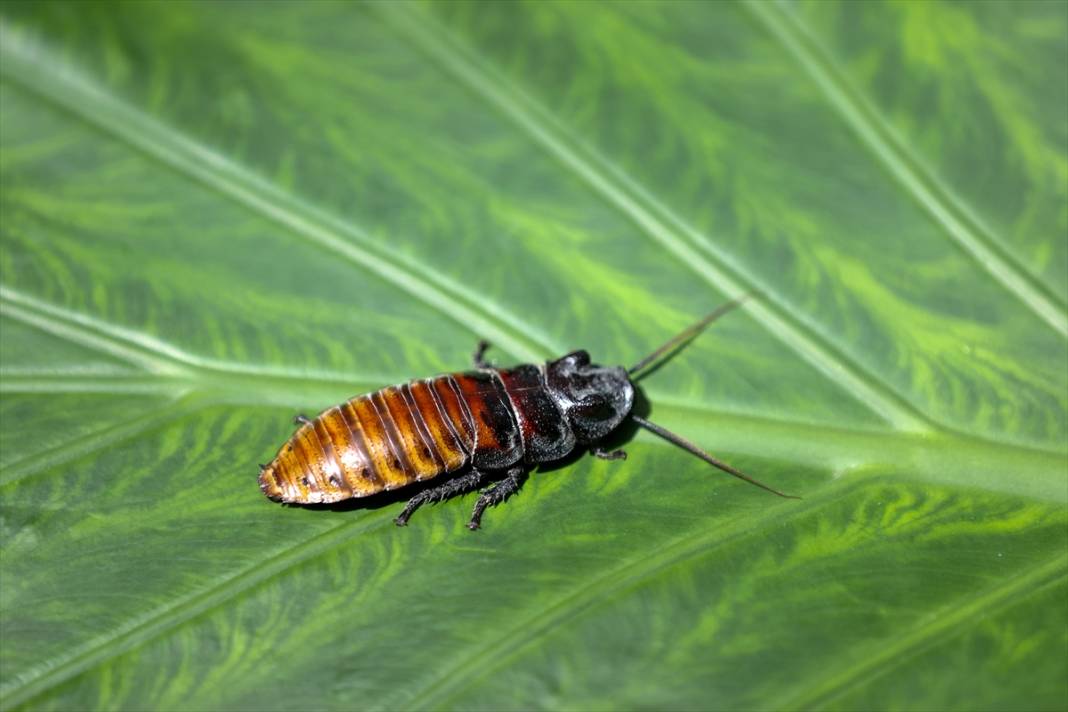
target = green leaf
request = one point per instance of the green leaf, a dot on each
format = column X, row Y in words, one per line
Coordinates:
column 215, row 216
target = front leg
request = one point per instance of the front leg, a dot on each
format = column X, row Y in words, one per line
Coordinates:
column 500, row 492
column 449, row 488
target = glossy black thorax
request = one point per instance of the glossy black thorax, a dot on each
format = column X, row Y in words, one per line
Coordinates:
column 565, row 403
column 593, row 399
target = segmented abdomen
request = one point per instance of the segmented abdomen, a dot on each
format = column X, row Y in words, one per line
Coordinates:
column 396, row 436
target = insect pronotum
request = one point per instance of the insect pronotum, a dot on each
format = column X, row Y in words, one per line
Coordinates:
column 470, row 427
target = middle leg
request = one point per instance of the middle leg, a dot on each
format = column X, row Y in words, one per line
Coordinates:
column 500, row 492
column 449, row 488
column 478, row 357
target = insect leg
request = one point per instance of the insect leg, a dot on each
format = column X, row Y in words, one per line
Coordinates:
column 449, row 488
column 480, row 351
column 500, row 492
column 608, row 454
column 301, row 419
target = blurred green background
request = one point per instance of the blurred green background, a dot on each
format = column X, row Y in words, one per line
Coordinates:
column 216, row 215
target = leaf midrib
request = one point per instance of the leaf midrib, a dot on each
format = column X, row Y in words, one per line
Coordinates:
column 237, row 383
column 220, row 382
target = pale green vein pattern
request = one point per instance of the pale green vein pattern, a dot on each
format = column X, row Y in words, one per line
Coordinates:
column 957, row 220
column 217, row 215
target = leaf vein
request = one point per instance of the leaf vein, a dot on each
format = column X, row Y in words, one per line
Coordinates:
column 136, row 347
column 444, row 688
column 30, row 66
column 656, row 220
column 943, row 624
column 50, row 673
column 956, row 220
column 94, row 441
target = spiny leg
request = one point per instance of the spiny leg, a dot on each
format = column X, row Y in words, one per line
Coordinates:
column 449, row 488
column 500, row 492
column 608, row 454
column 480, row 351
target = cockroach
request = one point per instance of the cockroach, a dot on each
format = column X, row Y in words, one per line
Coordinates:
column 489, row 424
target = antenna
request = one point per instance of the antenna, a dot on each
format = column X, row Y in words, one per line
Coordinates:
column 680, row 340
column 694, row 450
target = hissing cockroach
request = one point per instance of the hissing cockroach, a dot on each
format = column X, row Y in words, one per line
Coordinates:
column 487, row 424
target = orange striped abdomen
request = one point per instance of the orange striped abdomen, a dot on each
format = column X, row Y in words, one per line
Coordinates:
column 394, row 437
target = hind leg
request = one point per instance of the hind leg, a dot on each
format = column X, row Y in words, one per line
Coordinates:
column 500, row 492
column 447, row 489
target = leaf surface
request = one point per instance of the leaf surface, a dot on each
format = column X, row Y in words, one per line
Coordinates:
column 214, row 217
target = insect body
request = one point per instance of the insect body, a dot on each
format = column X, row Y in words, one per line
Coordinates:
column 466, row 428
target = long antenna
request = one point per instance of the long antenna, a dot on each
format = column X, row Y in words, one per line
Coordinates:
column 694, row 450
column 681, row 339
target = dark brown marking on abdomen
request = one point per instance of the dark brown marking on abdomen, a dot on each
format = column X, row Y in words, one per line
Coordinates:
column 497, row 440
column 362, row 465
column 310, row 459
column 300, row 472
column 456, row 413
column 355, row 469
column 434, row 417
column 426, row 443
column 380, row 448
column 335, row 482
column 415, row 457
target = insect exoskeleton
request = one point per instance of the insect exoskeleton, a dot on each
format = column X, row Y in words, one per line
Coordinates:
column 467, row 428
